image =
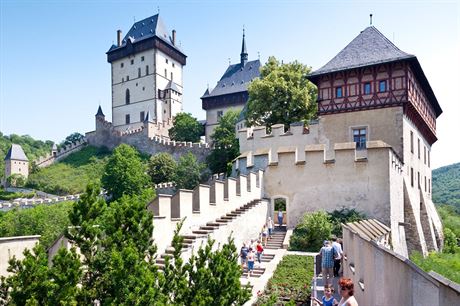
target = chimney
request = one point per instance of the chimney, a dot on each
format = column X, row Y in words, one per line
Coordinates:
column 174, row 37
column 118, row 38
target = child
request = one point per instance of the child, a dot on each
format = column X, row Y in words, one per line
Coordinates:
column 259, row 249
column 327, row 299
column 250, row 262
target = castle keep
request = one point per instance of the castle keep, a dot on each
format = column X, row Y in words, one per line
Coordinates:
column 368, row 150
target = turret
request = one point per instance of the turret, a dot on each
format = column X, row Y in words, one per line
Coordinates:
column 244, row 52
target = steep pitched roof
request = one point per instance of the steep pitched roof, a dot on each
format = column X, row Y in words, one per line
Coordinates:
column 236, row 79
column 370, row 47
column 146, row 28
column 173, row 86
column 15, row 152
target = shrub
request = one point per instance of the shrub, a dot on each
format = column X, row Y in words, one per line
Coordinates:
column 445, row 264
column 188, row 172
column 6, row 196
column 161, row 168
column 16, row 180
column 280, row 204
column 344, row 215
column 310, row 233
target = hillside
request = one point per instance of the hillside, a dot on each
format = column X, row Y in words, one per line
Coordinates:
column 446, row 185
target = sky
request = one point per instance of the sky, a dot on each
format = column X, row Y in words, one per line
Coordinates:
column 54, row 71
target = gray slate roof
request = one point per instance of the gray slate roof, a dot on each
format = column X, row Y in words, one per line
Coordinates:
column 149, row 27
column 370, row 47
column 173, row 86
column 236, row 79
column 16, row 153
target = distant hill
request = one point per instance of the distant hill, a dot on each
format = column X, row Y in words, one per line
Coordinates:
column 446, row 185
column 33, row 148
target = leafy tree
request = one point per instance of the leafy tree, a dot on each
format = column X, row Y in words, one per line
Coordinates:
column 281, row 95
column 226, row 146
column 186, row 128
column 311, row 231
column 124, row 173
column 161, row 168
column 188, row 172
column 445, row 186
column 72, row 139
column 16, row 180
column 344, row 215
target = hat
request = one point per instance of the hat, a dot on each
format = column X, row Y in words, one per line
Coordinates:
column 326, row 242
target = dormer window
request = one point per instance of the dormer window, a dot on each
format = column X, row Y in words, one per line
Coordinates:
column 382, row 86
column 338, row 92
column 367, row 88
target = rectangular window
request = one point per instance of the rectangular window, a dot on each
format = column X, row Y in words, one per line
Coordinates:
column 338, row 92
column 138, row 72
column 142, row 58
column 167, row 61
column 147, row 70
column 382, row 86
column 166, row 73
column 121, row 65
column 424, row 155
column 173, row 65
column 418, row 179
column 367, row 88
column 411, row 142
column 122, row 80
column 428, row 158
column 142, row 116
column 425, row 183
column 171, row 76
column 127, row 119
column 132, row 62
column 220, row 114
column 359, row 137
column 418, row 148
column 429, row 185
column 127, row 78
column 412, row 177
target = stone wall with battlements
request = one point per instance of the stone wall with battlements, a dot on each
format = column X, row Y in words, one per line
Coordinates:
column 311, row 172
column 145, row 139
column 53, row 157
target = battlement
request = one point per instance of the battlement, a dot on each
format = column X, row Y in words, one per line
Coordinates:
column 55, row 156
column 201, row 205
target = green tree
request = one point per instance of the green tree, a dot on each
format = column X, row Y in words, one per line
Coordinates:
column 161, row 168
column 226, row 146
column 72, row 139
column 124, row 173
column 188, row 172
column 186, row 128
column 283, row 95
column 311, row 231
column 16, row 180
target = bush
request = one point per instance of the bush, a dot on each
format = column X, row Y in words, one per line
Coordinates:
column 310, row 233
column 16, row 180
column 280, row 204
column 445, row 264
column 344, row 215
column 6, row 196
column 161, row 168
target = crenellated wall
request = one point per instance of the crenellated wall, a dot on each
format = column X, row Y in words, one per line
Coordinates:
column 144, row 139
column 53, row 157
column 205, row 204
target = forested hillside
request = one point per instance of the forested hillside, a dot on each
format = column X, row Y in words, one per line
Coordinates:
column 446, row 185
column 33, row 148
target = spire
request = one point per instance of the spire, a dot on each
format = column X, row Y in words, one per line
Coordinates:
column 99, row 112
column 244, row 52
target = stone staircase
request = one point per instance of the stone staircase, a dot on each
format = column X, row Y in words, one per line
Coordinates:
column 205, row 230
column 276, row 242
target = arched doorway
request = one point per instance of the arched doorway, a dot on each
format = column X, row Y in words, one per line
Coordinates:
column 279, row 205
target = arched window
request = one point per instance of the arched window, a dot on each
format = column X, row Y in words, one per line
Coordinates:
column 127, row 96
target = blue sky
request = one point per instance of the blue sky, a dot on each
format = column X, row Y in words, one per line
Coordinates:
column 54, row 73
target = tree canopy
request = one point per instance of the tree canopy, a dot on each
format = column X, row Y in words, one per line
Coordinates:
column 283, row 94
column 124, row 173
column 161, row 168
column 226, row 145
column 188, row 172
column 72, row 139
column 186, row 128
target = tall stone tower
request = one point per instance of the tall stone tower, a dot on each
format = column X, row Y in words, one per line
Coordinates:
column 146, row 75
column 16, row 162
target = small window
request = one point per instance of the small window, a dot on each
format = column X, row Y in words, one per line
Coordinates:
column 147, row 70
column 132, row 62
column 122, row 80
column 418, row 148
column 338, row 92
column 425, row 184
column 166, row 73
column 428, row 158
column 121, row 65
column 142, row 58
column 359, row 137
column 418, row 179
column 367, row 88
column 429, row 186
column 127, row 97
column 127, row 119
column 412, row 177
column 424, row 155
column 143, row 88
column 173, row 65
column 220, row 114
column 142, row 116
column 382, row 86
column 411, row 142
column 127, row 78
column 167, row 61
column 138, row 72
column 171, row 76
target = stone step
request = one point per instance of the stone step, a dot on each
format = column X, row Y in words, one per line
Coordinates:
column 208, row 228
column 215, row 224
column 227, row 218
column 231, row 215
column 220, row 220
column 202, row 232
column 189, row 236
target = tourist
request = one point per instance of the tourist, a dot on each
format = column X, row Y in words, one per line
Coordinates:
column 337, row 255
column 280, row 217
column 259, row 250
column 327, row 299
column 346, row 292
column 264, row 235
column 244, row 255
column 250, row 262
column 270, row 227
column 327, row 262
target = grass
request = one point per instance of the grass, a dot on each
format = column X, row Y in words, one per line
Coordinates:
column 448, row 265
column 72, row 174
column 290, row 281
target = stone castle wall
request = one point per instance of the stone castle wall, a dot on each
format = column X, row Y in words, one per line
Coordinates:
column 144, row 139
column 51, row 158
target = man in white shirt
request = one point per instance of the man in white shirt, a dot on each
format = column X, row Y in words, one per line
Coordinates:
column 338, row 252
